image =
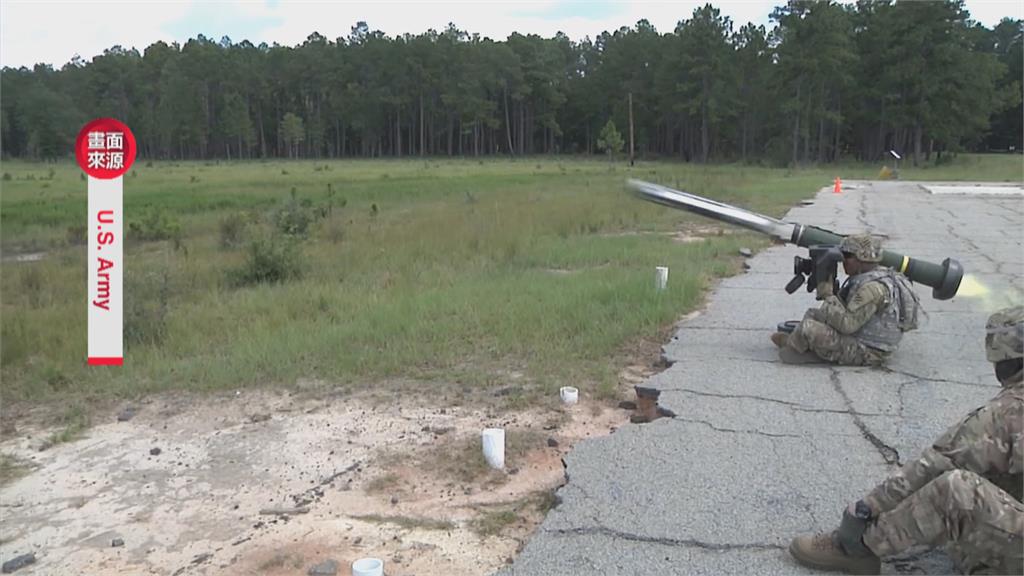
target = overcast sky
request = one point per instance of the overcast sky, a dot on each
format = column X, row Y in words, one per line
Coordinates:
column 54, row 32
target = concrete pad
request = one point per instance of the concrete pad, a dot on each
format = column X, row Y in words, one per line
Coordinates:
column 976, row 189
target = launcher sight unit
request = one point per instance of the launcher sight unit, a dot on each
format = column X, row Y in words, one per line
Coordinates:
column 944, row 279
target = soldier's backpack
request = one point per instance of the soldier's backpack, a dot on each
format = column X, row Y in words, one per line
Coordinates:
column 908, row 305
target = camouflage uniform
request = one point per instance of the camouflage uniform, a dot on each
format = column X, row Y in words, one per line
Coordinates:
column 964, row 492
column 837, row 331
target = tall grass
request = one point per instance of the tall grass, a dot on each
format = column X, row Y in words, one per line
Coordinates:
column 458, row 273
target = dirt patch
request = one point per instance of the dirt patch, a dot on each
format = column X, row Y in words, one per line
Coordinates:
column 570, row 271
column 700, row 233
column 276, row 482
column 686, row 235
column 27, row 257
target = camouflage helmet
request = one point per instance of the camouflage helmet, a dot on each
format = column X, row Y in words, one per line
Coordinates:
column 1004, row 334
column 864, row 247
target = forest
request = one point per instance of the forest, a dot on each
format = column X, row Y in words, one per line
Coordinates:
column 827, row 82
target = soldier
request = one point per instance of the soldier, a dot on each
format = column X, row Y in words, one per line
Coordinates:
column 861, row 326
column 963, row 492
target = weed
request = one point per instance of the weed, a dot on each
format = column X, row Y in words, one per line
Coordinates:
column 155, row 225
column 233, row 228
column 32, row 284
column 270, row 259
column 145, row 308
column 74, row 421
column 545, row 501
column 75, row 235
column 295, row 217
column 285, row 560
column 383, row 483
column 493, row 523
column 12, row 467
column 55, row 379
column 408, row 522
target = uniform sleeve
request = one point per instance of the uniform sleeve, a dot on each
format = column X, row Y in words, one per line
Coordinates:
column 1017, row 453
column 986, row 442
column 848, row 318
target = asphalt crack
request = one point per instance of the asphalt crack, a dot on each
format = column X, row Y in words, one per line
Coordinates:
column 918, row 377
column 889, row 454
column 677, row 542
column 718, row 395
column 834, row 411
column 734, row 431
column 899, row 395
column 862, row 213
column 791, row 405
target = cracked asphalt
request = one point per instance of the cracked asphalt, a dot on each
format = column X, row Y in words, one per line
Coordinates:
column 761, row 451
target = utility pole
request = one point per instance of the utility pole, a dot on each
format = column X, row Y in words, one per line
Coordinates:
column 630, row 128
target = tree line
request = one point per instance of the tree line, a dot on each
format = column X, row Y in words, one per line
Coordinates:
column 829, row 81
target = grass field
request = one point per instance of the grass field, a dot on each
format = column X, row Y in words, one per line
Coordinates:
column 449, row 276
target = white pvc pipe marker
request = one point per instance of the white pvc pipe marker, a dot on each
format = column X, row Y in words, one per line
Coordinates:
column 661, row 278
column 569, row 394
column 494, row 447
column 368, row 567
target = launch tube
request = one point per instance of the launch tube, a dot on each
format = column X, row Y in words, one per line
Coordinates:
column 944, row 279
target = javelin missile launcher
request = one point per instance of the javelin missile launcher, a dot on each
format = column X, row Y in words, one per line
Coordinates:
column 944, row 279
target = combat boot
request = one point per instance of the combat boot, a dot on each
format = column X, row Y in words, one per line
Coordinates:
column 780, row 339
column 823, row 552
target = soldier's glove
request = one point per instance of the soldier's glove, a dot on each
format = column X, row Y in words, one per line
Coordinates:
column 825, row 289
column 851, row 530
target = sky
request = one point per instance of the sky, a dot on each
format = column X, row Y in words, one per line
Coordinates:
column 40, row 31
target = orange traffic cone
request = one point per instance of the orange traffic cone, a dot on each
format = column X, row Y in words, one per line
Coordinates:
column 838, row 188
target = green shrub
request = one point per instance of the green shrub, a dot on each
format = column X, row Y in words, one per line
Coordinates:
column 270, row 259
column 155, row 225
column 233, row 228
column 294, row 218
